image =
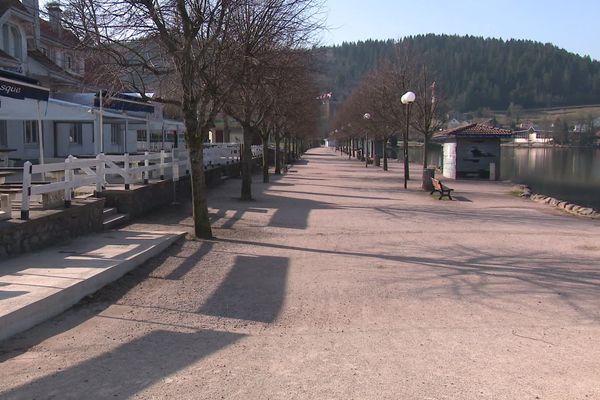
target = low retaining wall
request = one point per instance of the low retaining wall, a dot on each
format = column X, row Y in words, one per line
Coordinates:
column 49, row 227
column 141, row 200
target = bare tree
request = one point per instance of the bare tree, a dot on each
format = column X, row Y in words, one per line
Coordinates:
column 174, row 48
column 292, row 99
column 261, row 29
column 428, row 112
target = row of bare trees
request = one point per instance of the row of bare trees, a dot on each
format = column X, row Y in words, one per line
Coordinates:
column 246, row 58
column 378, row 95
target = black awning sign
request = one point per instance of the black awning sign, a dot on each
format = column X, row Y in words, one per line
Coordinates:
column 17, row 90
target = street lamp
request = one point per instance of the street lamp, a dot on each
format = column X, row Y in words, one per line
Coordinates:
column 367, row 117
column 407, row 99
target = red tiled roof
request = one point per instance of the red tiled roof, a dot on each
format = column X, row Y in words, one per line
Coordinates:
column 475, row 130
column 6, row 4
column 61, row 35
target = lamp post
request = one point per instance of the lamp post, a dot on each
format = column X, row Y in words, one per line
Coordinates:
column 407, row 99
column 366, row 117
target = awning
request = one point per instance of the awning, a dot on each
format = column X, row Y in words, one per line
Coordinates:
column 124, row 102
column 52, row 110
column 15, row 87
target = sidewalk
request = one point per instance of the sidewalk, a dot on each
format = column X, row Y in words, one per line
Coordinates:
column 336, row 283
column 37, row 286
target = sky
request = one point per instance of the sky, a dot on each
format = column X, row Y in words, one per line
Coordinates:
column 572, row 25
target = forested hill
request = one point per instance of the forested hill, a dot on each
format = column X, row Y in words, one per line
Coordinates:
column 474, row 72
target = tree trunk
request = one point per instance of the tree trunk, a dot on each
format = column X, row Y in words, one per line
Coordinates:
column 426, row 151
column 277, row 155
column 194, row 138
column 385, row 158
column 247, row 161
column 265, row 158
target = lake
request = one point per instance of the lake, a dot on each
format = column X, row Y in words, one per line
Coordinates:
column 571, row 174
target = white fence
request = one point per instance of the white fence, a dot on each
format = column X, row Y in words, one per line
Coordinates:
column 74, row 173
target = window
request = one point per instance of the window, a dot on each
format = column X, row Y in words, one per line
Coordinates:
column 31, row 132
column 3, row 135
column 141, row 135
column 6, row 38
column 116, row 134
column 76, row 133
column 69, row 62
column 12, row 42
column 17, row 50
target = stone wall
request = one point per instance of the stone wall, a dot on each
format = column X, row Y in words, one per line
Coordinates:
column 46, row 228
column 143, row 199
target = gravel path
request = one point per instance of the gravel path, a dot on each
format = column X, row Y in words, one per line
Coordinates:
column 335, row 283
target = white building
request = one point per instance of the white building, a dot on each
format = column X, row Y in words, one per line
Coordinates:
column 44, row 113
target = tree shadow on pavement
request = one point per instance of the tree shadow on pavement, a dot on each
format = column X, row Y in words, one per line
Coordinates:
column 93, row 305
column 253, row 290
column 472, row 274
column 128, row 369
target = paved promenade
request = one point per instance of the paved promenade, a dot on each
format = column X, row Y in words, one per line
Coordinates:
column 336, row 283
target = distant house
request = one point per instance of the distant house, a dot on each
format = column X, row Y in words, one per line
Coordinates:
column 226, row 130
column 472, row 151
column 532, row 136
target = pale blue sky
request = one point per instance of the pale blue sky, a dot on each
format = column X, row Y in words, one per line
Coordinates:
column 573, row 25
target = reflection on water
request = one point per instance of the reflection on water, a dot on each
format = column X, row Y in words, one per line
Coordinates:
column 565, row 173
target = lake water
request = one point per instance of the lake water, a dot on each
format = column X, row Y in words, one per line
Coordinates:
column 570, row 174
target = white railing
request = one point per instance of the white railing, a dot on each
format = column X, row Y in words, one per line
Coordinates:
column 142, row 145
column 221, row 154
column 66, row 171
column 140, row 168
column 257, row 150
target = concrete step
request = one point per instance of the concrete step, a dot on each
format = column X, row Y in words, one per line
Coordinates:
column 115, row 220
column 42, row 284
column 109, row 211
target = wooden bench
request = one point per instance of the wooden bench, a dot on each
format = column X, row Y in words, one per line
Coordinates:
column 442, row 189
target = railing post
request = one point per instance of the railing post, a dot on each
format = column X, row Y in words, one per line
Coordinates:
column 27, row 167
column 162, row 165
column 174, row 165
column 146, row 165
column 68, row 179
column 99, row 172
column 127, row 173
column 103, row 170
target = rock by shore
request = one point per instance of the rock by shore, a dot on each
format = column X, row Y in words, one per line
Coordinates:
column 525, row 192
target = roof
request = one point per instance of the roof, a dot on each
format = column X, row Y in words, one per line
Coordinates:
column 50, row 65
column 474, row 130
column 18, row 77
column 59, row 34
column 5, row 5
